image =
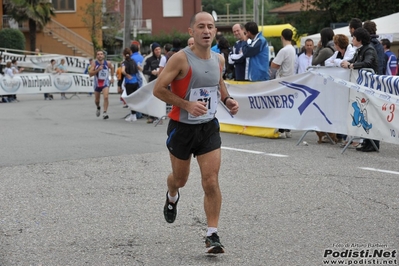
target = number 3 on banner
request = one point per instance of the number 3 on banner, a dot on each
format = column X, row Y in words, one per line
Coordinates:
column 391, row 113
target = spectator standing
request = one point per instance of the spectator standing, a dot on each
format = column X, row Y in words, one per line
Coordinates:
column 224, row 48
column 3, row 97
column 325, row 47
column 164, row 59
column 8, row 71
column 190, row 42
column 139, row 59
column 151, row 65
column 344, row 51
column 304, row 59
column 365, row 57
column 151, row 68
column 136, row 56
column 283, row 65
column 50, row 68
column 215, row 48
column 391, row 66
column 257, row 51
column 176, row 45
column 354, row 24
column 120, row 77
column 236, row 57
column 61, row 68
column 129, row 71
column 371, row 27
column 15, row 70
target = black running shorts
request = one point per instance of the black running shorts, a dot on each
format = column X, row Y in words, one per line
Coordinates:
column 186, row 139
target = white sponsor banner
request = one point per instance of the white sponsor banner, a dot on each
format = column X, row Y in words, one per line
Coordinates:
column 303, row 102
column 75, row 64
column 372, row 113
column 383, row 83
column 29, row 83
column 144, row 101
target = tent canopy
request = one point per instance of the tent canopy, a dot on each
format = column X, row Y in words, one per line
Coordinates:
column 275, row 30
column 386, row 28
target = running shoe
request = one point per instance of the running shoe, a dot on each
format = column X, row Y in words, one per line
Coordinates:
column 105, row 116
column 98, row 112
column 170, row 209
column 213, row 244
column 131, row 118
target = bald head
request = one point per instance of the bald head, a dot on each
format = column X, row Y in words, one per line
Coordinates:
column 238, row 31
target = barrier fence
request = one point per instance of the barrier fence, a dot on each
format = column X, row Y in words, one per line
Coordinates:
column 327, row 99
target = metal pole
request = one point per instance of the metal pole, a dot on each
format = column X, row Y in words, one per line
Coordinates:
column 227, row 6
column 263, row 3
column 244, row 10
column 256, row 11
column 127, row 20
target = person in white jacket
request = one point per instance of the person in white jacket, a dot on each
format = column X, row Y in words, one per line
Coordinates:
column 344, row 51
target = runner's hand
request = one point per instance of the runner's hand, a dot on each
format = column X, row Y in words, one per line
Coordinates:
column 197, row 108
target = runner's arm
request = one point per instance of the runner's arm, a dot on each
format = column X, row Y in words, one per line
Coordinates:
column 224, row 94
column 176, row 68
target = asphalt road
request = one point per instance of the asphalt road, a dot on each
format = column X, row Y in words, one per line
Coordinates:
column 78, row 190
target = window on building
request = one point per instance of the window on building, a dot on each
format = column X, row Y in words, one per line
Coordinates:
column 172, row 8
column 63, row 5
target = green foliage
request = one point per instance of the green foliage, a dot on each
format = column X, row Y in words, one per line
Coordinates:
column 164, row 38
column 99, row 24
column 321, row 13
column 237, row 7
column 12, row 38
column 92, row 19
column 23, row 10
column 37, row 12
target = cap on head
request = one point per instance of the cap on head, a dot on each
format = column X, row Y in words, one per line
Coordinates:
column 154, row 45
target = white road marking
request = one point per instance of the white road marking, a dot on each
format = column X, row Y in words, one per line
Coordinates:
column 379, row 170
column 255, row 152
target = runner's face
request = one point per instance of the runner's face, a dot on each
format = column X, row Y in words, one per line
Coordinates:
column 203, row 30
column 100, row 56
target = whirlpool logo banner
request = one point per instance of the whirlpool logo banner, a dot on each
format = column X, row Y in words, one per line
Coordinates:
column 303, row 102
column 47, row 83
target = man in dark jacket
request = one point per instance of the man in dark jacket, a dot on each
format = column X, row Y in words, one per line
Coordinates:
column 151, row 64
column 365, row 57
column 371, row 27
column 151, row 68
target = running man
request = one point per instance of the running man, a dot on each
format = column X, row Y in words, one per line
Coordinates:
column 101, row 69
column 193, row 128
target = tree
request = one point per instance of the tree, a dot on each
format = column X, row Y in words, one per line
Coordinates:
column 318, row 14
column 100, row 25
column 12, row 38
column 36, row 12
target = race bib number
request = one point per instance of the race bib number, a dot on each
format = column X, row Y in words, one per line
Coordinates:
column 103, row 74
column 207, row 95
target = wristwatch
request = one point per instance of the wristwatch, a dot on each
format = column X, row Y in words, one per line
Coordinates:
column 225, row 99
